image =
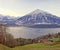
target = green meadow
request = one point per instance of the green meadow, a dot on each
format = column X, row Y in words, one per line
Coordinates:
column 38, row 46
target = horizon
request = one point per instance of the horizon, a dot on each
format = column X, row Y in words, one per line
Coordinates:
column 22, row 7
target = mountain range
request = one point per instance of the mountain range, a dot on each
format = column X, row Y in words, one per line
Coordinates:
column 36, row 19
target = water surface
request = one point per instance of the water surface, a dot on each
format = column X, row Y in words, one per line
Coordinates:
column 25, row 32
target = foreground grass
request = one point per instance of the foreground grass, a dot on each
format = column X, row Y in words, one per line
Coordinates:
column 2, row 47
column 38, row 46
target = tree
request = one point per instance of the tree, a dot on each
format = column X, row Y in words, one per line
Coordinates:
column 9, row 40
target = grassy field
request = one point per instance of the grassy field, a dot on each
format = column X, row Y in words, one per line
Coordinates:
column 38, row 46
column 2, row 47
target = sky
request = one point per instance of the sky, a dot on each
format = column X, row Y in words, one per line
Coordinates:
column 21, row 7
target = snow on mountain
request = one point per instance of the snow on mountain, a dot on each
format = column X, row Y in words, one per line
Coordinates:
column 7, row 20
column 4, row 18
column 39, row 17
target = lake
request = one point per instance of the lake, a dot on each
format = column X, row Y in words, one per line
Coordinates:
column 25, row 32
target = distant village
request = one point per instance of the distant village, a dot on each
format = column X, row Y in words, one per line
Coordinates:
column 8, row 40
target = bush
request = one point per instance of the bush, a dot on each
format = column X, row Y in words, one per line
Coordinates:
column 55, row 39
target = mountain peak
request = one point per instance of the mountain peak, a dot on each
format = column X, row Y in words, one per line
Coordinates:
column 37, row 11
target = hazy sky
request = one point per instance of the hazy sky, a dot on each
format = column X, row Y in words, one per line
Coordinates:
column 22, row 7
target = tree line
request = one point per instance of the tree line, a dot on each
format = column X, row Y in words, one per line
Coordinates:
column 10, row 41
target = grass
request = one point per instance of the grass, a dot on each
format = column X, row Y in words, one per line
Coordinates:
column 38, row 46
column 2, row 47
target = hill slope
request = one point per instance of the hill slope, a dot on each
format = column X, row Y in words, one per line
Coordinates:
column 2, row 47
column 37, row 46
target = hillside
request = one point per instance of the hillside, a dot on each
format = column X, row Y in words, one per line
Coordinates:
column 2, row 47
column 38, row 46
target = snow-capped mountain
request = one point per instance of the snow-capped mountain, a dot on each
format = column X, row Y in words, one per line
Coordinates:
column 38, row 17
column 7, row 20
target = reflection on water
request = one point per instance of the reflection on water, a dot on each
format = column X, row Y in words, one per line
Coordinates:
column 25, row 32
